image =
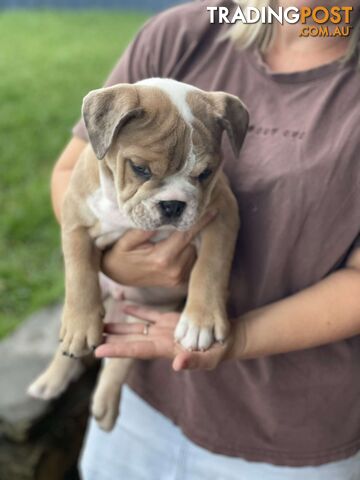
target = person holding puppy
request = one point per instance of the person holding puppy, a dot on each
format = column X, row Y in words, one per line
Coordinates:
column 280, row 399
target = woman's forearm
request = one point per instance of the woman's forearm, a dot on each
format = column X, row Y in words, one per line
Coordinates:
column 59, row 184
column 324, row 313
column 62, row 172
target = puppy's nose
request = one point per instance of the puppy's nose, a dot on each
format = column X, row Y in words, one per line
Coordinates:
column 172, row 208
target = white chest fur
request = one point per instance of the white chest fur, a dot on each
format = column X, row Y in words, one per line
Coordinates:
column 111, row 225
column 112, row 222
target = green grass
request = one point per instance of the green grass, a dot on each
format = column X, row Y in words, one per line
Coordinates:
column 48, row 62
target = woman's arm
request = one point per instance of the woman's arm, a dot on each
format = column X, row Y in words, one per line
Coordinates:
column 326, row 312
column 62, row 172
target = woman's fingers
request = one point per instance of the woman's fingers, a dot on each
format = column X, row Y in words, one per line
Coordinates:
column 143, row 349
column 126, row 328
column 129, row 338
column 133, row 239
column 180, row 268
column 137, row 346
column 208, row 360
column 177, row 241
column 143, row 313
column 188, row 361
column 145, row 329
column 150, row 315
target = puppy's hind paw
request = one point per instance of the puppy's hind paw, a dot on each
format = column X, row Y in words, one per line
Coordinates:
column 49, row 385
column 46, row 389
column 105, row 408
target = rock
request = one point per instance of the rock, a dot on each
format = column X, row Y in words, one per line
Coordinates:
column 39, row 440
column 24, row 355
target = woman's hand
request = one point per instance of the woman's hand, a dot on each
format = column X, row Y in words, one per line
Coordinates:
column 135, row 261
column 155, row 339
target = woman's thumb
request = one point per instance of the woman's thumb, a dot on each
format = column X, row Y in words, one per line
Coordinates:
column 187, row 361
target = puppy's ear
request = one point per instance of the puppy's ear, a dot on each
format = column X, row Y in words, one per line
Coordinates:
column 106, row 111
column 232, row 116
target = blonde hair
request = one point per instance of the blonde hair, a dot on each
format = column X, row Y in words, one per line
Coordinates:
column 260, row 35
column 257, row 35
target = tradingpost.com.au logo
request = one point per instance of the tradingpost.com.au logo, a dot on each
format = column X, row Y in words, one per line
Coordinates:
column 316, row 21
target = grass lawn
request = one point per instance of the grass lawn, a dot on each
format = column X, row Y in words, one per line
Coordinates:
column 48, row 62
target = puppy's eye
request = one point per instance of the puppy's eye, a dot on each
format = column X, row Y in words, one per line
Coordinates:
column 141, row 171
column 205, row 174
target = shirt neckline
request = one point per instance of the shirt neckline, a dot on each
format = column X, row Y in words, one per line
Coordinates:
column 301, row 76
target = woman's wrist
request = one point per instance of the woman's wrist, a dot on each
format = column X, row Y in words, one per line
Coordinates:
column 62, row 172
column 238, row 340
column 326, row 312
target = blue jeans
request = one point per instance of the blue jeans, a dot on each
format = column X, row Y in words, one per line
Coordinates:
column 145, row 445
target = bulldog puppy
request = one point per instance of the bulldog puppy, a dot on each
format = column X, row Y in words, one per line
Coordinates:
column 153, row 163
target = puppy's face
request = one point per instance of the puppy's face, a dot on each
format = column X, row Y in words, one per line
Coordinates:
column 160, row 142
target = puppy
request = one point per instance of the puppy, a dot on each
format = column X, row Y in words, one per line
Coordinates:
column 153, row 163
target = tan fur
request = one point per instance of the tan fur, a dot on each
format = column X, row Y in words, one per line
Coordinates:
column 208, row 286
column 141, row 123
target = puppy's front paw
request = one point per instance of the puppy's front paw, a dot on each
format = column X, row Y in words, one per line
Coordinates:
column 198, row 331
column 80, row 336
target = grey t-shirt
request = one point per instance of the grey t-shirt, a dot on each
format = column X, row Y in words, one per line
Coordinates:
column 297, row 182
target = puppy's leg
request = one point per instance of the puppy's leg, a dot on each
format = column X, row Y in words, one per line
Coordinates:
column 204, row 318
column 106, row 399
column 81, row 329
column 105, row 404
column 56, row 378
